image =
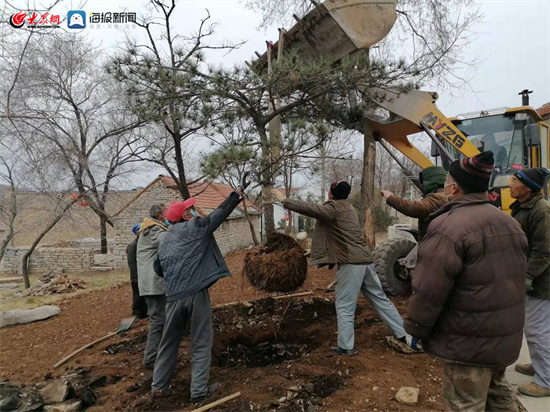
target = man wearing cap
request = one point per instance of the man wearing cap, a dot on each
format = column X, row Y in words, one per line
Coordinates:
column 432, row 179
column 338, row 239
column 467, row 302
column 191, row 263
column 532, row 211
column 139, row 306
column 151, row 286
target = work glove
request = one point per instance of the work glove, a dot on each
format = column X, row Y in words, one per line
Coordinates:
column 278, row 195
column 270, row 194
column 244, row 183
column 529, row 286
column 386, row 194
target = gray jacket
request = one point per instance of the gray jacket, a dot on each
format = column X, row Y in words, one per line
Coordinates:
column 151, row 233
column 189, row 255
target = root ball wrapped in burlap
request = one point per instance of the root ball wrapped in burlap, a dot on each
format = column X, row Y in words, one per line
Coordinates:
column 280, row 266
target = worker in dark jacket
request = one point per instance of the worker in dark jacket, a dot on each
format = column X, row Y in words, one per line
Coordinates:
column 338, row 239
column 191, row 263
column 139, row 306
column 468, row 300
column 532, row 211
column 432, row 179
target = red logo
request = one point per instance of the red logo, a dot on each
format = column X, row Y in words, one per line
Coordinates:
column 517, row 166
column 33, row 18
column 17, row 20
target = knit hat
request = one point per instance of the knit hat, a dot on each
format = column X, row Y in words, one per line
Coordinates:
column 340, row 190
column 532, row 178
column 473, row 173
column 136, row 228
column 175, row 210
column 432, row 178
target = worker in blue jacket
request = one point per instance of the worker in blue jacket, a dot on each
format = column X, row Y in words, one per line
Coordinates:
column 191, row 262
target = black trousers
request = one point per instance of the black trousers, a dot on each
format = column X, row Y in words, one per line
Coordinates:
column 139, row 306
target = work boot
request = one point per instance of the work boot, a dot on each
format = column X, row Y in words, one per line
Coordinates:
column 526, row 369
column 211, row 389
column 345, row 352
column 533, row 390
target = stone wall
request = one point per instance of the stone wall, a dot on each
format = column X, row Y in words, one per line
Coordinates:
column 48, row 259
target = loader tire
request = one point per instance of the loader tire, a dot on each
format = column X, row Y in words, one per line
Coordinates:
column 394, row 277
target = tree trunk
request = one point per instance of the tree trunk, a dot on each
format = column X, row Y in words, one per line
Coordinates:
column 5, row 243
column 367, row 190
column 269, row 217
column 28, row 253
column 323, row 174
column 268, row 180
column 103, row 235
column 252, row 229
column 182, row 180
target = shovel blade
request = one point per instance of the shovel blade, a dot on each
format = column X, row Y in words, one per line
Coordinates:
column 125, row 324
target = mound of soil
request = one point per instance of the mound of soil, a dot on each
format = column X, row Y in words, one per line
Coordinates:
column 280, row 266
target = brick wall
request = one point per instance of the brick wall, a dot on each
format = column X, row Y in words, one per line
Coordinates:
column 48, row 259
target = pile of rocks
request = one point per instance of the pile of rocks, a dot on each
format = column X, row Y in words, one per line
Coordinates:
column 55, row 282
column 66, row 394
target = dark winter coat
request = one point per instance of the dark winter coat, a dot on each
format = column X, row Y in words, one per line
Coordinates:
column 189, row 255
column 534, row 217
column 419, row 209
column 131, row 254
column 468, row 288
column 338, row 236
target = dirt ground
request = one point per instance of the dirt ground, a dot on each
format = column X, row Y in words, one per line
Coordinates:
column 261, row 350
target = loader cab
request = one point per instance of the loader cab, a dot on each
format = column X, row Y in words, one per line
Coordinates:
column 518, row 139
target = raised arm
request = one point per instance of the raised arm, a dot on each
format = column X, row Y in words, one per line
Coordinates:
column 325, row 212
column 419, row 209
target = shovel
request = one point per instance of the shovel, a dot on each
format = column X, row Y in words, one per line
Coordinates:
column 124, row 324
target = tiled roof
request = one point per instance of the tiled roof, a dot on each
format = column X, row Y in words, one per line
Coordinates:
column 209, row 195
column 544, row 110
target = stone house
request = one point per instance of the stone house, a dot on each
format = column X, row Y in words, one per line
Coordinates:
column 83, row 254
column 232, row 235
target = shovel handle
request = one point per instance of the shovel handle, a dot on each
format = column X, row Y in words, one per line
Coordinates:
column 217, row 403
column 62, row 361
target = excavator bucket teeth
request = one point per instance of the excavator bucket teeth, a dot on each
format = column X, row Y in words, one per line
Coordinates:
column 336, row 28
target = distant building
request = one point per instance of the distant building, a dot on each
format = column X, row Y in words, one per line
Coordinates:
column 544, row 112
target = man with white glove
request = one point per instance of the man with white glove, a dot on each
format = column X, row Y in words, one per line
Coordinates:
column 338, row 239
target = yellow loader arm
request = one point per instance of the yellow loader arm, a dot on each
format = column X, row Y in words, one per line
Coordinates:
column 411, row 113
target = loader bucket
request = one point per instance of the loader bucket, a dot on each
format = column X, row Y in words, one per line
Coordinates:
column 336, row 28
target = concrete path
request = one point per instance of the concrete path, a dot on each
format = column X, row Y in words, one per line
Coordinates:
column 515, row 379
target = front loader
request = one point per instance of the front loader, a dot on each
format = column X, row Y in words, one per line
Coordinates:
column 518, row 136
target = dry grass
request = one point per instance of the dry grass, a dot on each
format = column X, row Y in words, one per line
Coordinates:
column 94, row 281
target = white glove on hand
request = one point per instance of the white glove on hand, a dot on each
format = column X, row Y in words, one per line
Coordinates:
column 278, row 195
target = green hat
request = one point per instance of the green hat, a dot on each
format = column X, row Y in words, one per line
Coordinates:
column 432, row 178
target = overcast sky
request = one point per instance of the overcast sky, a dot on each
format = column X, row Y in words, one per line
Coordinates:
column 513, row 45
